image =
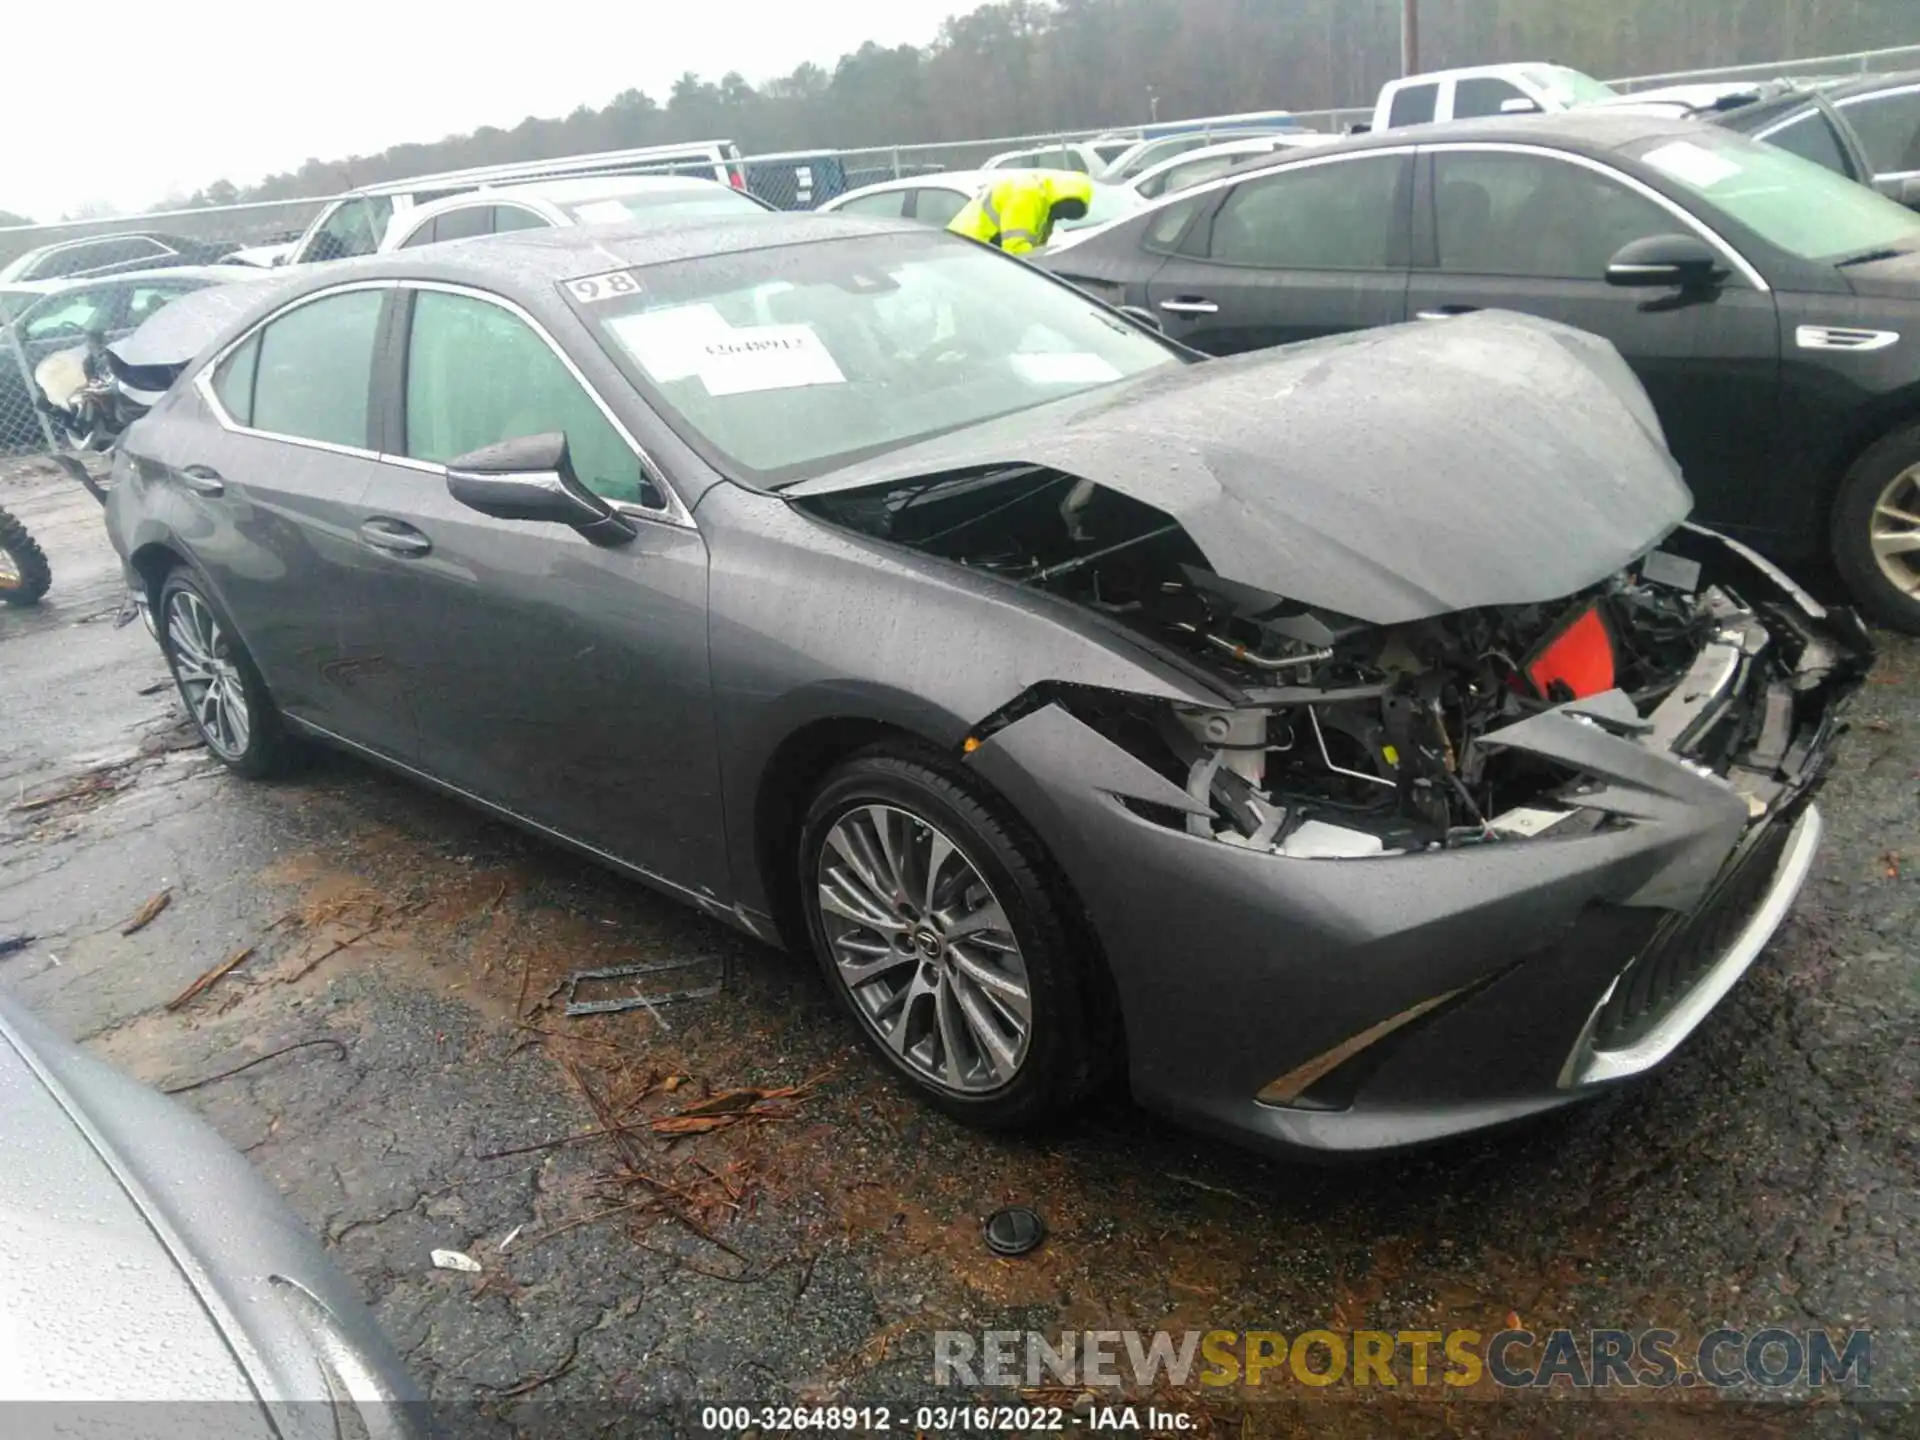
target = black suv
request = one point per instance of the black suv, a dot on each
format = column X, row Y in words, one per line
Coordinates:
column 1770, row 307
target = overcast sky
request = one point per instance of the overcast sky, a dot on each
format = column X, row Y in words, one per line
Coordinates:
column 123, row 103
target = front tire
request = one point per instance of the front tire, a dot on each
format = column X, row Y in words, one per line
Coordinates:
column 25, row 575
column 1876, row 531
column 942, row 928
column 221, row 687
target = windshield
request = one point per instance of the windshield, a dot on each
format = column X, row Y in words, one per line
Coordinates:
column 1803, row 208
column 1571, row 87
column 785, row 363
column 719, row 200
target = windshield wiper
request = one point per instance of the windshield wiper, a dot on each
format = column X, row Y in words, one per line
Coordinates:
column 1865, row 256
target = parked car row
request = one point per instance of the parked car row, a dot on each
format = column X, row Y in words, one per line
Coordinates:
column 1770, row 307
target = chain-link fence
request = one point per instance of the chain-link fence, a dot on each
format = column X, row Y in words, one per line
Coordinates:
column 44, row 325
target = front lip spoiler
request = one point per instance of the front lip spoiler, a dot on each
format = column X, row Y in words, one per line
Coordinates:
column 1588, row 1066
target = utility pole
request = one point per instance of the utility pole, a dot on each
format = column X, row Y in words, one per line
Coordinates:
column 1409, row 37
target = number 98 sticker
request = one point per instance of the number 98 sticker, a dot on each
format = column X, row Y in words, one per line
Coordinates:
column 595, row 289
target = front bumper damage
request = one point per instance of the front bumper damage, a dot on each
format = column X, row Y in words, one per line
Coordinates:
column 1335, row 1004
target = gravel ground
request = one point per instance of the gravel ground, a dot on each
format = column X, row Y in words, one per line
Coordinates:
column 1766, row 1177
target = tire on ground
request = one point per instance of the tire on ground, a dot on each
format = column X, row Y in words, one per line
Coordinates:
column 1074, row 1039
column 269, row 750
column 1852, row 531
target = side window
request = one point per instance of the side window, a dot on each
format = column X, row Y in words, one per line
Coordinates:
column 354, row 228
column 515, row 217
column 1888, row 125
column 1809, row 136
column 889, row 203
column 477, row 374
column 1482, row 95
column 144, row 300
column 422, row 235
column 1529, row 215
column 937, row 207
column 1412, row 105
column 315, row 367
column 233, row 381
column 71, row 316
column 1167, row 228
column 463, row 222
column 1338, row 216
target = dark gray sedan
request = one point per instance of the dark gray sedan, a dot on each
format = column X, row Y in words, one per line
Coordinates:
column 1351, row 742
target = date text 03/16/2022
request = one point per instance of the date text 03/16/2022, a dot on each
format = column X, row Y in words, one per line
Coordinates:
column 937, row 1420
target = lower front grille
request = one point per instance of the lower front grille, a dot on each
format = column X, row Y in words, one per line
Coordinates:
column 1688, row 946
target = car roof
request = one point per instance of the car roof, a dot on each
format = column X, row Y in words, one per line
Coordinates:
column 1842, row 89
column 595, row 187
column 964, row 182
column 542, row 257
column 1593, row 128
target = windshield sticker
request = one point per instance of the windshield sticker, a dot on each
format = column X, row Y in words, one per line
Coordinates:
column 1687, row 161
column 601, row 210
column 596, row 289
column 1063, row 368
column 767, row 357
column 669, row 343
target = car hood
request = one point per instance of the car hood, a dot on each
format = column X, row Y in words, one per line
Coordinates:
column 93, row 1305
column 173, row 336
column 141, row 1258
column 1895, row 278
column 1388, row 475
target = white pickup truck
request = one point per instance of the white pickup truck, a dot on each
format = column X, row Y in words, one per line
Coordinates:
column 1521, row 88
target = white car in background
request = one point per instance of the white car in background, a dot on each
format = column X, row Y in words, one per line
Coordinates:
column 559, row 203
column 936, row 199
column 1180, row 171
column 1083, row 159
column 1522, row 88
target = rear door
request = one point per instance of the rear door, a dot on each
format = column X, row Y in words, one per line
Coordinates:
column 1530, row 229
column 1317, row 248
column 267, row 492
column 563, row 681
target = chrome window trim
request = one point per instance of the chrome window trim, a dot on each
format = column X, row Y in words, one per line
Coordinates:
column 203, row 381
column 1639, row 187
column 1294, row 160
column 676, row 512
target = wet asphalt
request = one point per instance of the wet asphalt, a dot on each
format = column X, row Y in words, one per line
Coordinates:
column 807, row 1252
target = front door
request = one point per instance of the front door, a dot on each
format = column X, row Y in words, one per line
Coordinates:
column 1317, row 248
column 564, row 681
column 1531, row 230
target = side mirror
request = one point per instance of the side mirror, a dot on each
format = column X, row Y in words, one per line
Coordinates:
column 1519, row 105
column 1666, row 262
column 1142, row 317
column 531, row 478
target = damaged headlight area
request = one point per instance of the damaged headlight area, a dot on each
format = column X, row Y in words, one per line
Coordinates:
column 1348, row 739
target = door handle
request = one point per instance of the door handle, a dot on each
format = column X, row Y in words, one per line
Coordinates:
column 1446, row 312
column 1191, row 305
column 394, row 537
column 202, row 480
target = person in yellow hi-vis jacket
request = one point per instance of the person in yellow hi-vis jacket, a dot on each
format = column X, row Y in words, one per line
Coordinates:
column 1017, row 214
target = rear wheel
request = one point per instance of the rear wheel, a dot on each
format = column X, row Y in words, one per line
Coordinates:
column 941, row 927
column 1876, row 531
column 225, row 697
column 24, row 573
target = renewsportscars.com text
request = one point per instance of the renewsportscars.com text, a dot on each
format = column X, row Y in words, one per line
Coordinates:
column 1770, row 1358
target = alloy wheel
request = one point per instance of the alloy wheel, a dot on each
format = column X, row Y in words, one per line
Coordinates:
column 925, row 948
column 10, row 576
column 209, row 676
column 1895, row 532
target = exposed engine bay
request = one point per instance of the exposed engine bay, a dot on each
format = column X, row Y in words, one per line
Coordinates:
column 1346, row 739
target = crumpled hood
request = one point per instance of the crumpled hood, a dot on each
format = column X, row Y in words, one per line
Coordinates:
column 174, row 335
column 1493, row 459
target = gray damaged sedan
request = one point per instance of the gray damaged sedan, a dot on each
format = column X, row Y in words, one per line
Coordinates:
column 1352, row 743
column 152, row 1285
